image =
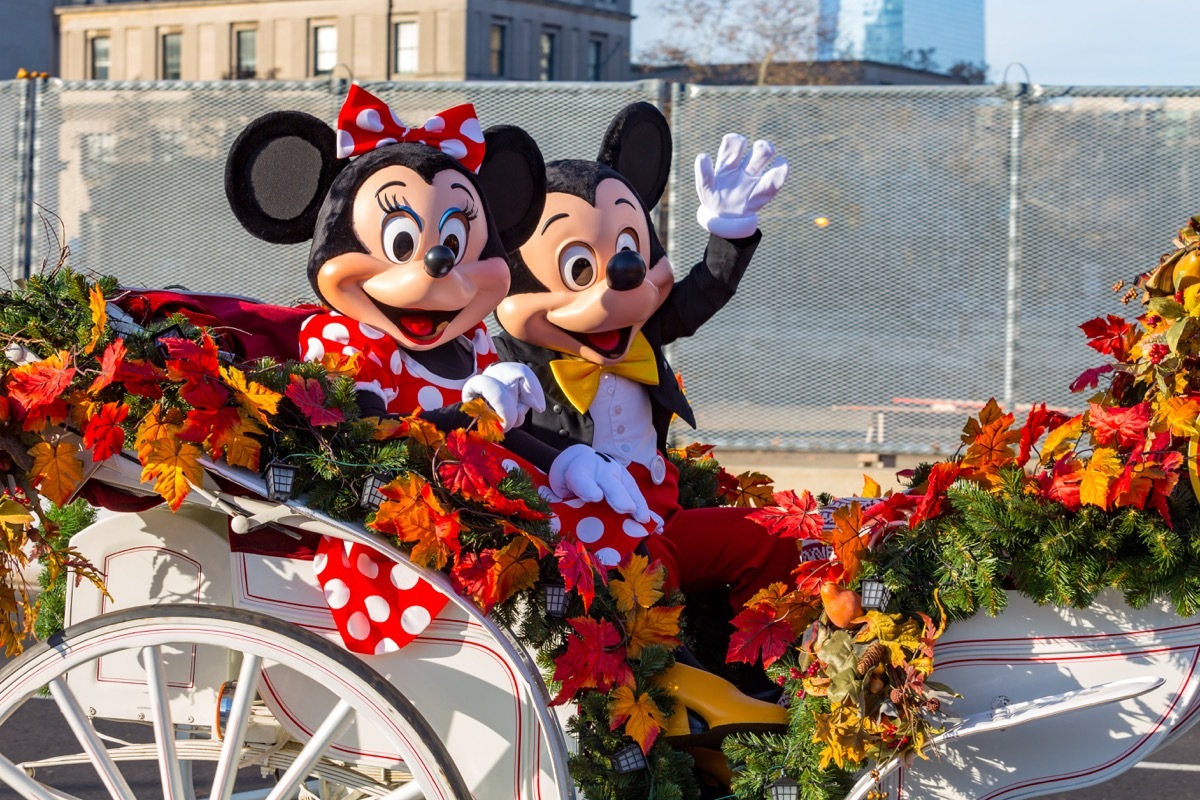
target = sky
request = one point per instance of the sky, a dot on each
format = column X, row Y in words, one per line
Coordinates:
column 1067, row 42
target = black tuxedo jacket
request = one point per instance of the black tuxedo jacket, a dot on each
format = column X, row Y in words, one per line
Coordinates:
column 692, row 302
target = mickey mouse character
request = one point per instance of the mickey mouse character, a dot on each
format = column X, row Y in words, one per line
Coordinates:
column 592, row 303
column 410, row 228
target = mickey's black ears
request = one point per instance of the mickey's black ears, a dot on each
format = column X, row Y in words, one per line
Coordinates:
column 638, row 145
column 513, row 180
column 277, row 174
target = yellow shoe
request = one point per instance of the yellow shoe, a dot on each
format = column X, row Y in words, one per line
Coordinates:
column 708, row 708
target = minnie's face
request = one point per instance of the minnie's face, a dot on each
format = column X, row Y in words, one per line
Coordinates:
column 422, row 280
column 593, row 260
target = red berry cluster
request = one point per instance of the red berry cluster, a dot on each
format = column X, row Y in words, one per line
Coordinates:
column 1158, row 352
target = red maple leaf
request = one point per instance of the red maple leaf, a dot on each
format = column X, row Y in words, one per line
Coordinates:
column 113, row 355
column 1090, row 378
column 139, row 377
column 472, row 577
column 579, row 568
column 760, row 634
column 791, row 517
column 811, row 574
column 217, row 427
column 36, row 390
column 1132, row 487
column 1038, row 421
column 188, row 360
column 594, row 659
column 512, row 506
column 1108, row 335
column 727, row 484
column 941, row 476
column 1127, row 426
column 471, row 469
column 103, row 432
column 1061, row 484
column 309, row 397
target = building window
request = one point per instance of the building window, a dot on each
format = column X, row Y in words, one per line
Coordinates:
column 324, row 50
column 245, row 53
column 172, row 62
column 499, row 50
column 546, row 66
column 595, row 59
column 406, row 47
column 98, row 57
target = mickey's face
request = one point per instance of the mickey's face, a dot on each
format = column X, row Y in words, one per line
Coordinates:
column 422, row 280
column 593, row 260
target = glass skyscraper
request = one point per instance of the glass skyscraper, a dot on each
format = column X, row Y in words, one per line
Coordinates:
column 932, row 34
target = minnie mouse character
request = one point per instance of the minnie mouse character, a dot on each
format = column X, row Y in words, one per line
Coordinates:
column 410, row 228
column 592, row 303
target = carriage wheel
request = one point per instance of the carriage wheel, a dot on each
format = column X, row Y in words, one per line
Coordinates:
column 358, row 696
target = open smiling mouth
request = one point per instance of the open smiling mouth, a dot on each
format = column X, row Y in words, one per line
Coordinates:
column 417, row 324
column 609, row 344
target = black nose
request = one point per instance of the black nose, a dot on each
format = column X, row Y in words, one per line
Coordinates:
column 439, row 261
column 625, row 271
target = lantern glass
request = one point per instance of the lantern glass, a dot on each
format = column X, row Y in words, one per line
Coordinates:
column 371, row 496
column 280, row 478
column 630, row 759
column 784, row 788
column 173, row 332
column 556, row 599
column 875, row 594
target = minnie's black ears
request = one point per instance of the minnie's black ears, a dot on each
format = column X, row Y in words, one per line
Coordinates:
column 638, row 145
column 513, row 181
column 278, row 173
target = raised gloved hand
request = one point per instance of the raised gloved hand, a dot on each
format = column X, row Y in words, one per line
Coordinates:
column 731, row 193
column 511, row 390
column 579, row 471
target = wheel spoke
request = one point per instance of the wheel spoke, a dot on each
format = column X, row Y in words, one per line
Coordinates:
column 235, row 728
column 338, row 720
column 164, row 731
column 14, row 777
column 106, row 769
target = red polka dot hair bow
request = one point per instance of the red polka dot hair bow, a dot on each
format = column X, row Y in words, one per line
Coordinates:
column 366, row 122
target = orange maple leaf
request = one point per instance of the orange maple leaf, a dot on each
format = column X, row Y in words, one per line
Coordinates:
column 412, row 513
column 36, row 390
column 56, row 469
column 173, row 465
column 157, row 425
column 641, row 716
column 240, row 449
column 753, row 490
column 641, row 583
column 657, row 625
column 850, row 537
column 257, row 400
column 1062, row 439
column 511, row 571
column 99, row 309
column 1179, row 414
column 993, row 448
column 1101, row 468
column 113, row 355
column 487, row 422
column 412, row 427
column 975, row 425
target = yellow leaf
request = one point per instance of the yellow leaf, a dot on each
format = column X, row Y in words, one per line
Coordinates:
column 340, row 364
column 157, row 425
column 641, row 715
column 241, row 450
column 80, row 408
column 173, row 465
column 56, row 469
column 1101, row 468
column 754, row 490
column 1062, row 439
column 511, row 571
column 642, row 584
column 870, row 487
column 13, row 514
column 1180, row 414
column 256, row 399
column 658, row 625
column 487, row 422
column 99, row 310
column 901, row 638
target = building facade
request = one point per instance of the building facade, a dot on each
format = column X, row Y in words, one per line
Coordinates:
column 450, row 40
column 933, row 35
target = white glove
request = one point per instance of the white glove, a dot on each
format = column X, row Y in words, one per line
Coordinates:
column 511, row 389
column 579, row 471
column 732, row 194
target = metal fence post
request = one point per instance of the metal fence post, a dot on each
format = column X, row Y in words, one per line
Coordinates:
column 23, row 238
column 1012, row 328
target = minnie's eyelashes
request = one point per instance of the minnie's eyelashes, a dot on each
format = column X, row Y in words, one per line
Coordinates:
column 394, row 204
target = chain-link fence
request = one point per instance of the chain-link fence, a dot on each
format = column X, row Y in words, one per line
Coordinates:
column 934, row 246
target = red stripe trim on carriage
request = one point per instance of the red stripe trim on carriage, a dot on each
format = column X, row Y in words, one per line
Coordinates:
column 1070, row 637
column 234, row 636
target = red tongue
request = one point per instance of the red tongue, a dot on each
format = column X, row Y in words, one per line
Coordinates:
column 418, row 325
column 605, row 340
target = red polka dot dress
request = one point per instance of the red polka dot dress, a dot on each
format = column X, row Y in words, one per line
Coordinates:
column 380, row 606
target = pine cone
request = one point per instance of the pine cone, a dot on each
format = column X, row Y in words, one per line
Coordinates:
column 873, row 656
column 897, row 696
column 933, row 704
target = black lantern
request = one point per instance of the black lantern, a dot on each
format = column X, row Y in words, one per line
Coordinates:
column 629, row 759
column 160, row 339
column 280, row 478
column 875, row 594
column 783, row 788
column 371, row 497
column 555, row 595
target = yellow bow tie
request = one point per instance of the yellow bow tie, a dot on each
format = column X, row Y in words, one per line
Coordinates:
column 580, row 379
